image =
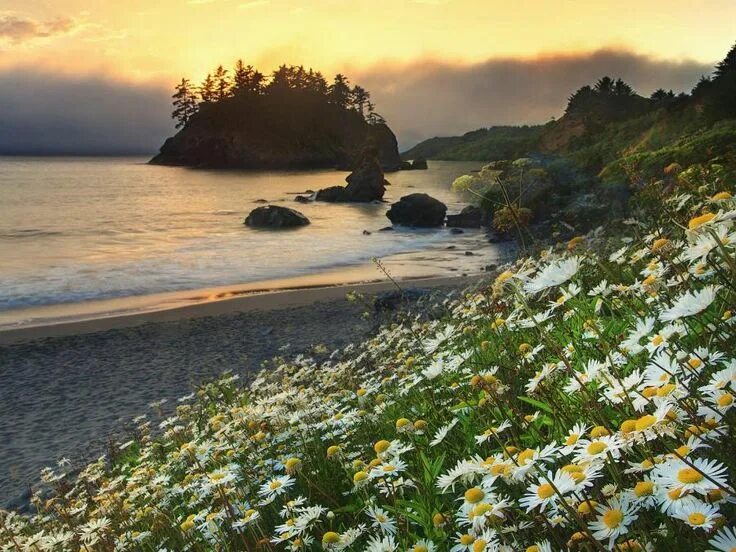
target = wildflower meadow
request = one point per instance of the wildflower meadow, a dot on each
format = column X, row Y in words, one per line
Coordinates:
column 581, row 400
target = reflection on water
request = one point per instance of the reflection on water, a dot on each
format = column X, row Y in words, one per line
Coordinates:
column 78, row 229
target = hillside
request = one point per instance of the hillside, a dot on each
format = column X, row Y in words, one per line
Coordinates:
column 295, row 121
column 485, row 144
column 609, row 130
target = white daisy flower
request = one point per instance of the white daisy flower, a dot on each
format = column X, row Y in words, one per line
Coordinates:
column 614, row 519
column 553, row 274
column 690, row 303
column 698, row 515
column 546, row 492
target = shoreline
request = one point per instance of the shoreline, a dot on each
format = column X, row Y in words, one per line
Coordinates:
column 259, row 296
column 65, row 394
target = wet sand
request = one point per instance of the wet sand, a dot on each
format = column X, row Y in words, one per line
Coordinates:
column 65, row 387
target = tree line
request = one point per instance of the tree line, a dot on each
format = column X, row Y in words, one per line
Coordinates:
column 245, row 82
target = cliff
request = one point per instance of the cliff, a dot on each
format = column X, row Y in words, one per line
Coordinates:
column 294, row 129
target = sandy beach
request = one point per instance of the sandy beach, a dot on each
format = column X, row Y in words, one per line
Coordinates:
column 67, row 387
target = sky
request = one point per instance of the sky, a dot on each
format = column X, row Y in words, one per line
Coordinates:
column 411, row 54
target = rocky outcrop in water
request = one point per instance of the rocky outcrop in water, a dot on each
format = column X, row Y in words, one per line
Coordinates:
column 292, row 130
column 366, row 183
column 419, row 210
column 470, row 217
column 274, row 216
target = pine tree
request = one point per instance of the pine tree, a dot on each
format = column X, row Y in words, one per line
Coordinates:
column 207, row 89
column 185, row 103
column 222, row 83
column 359, row 98
column 340, row 91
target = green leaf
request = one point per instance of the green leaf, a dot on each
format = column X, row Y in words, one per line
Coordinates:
column 539, row 404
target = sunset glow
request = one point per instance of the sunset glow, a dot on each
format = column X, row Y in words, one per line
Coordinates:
column 139, row 39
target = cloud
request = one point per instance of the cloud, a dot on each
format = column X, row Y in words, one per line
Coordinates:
column 429, row 98
column 47, row 113
column 18, row 29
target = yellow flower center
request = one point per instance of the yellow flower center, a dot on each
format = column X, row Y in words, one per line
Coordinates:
column 474, row 495
column 666, row 390
column 330, row 537
column 525, row 456
column 695, row 363
column 532, row 548
column 645, row 422
column 587, row 507
column 275, row 484
column 545, row 490
column 627, row 426
column 689, row 475
column 657, row 340
column 381, row 446
column 596, row 447
column 360, row 477
column 466, row 540
column 572, row 439
column 402, row 422
column 479, row 545
column 389, row 468
column 725, row 399
column 613, row 518
column 599, row 431
column 420, row 548
column 644, row 488
column 720, row 196
column 697, row 222
column 696, row 518
column 659, row 244
column 481, row 509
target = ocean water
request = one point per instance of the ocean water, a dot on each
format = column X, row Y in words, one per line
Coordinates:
column 82, row 229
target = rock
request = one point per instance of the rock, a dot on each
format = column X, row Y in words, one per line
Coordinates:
column 302, row 199
column 274, row 216
column 293, row 130
column 470, row 217
column 386, row 229
column 469, row 253
column 451, row 247
column 391, row 300
column 366, row 233
column 419, row 210
column 456, row 231
column 491, row 267
column 419, row 165
column 366, row 183
column 260, row 201
column 405, row 166
column 333, row 194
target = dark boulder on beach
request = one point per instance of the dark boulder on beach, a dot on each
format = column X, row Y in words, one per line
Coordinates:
column 274, row 216
column 419, row 165
column 420, row 210
column 470, row 217
column 366, row 183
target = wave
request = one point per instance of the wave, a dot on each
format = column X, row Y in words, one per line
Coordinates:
column 29, row 233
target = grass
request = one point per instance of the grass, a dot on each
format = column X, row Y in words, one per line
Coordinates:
column 582, row 400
